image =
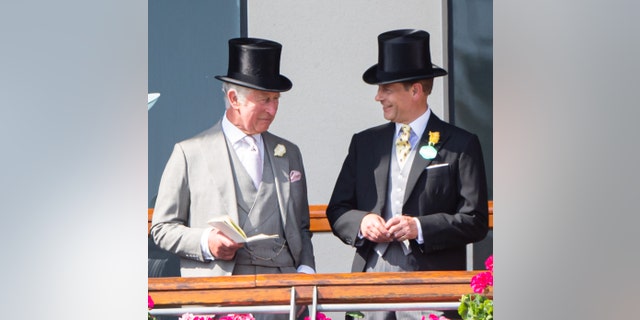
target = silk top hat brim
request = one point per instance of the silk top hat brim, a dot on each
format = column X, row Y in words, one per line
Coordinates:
column 255, row 63
column 403, row 55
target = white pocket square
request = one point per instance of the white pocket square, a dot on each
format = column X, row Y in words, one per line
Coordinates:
column 294, row 175
column 437, row 165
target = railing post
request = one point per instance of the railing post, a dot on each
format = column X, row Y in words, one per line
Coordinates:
column 292, row 304
column 314, row 303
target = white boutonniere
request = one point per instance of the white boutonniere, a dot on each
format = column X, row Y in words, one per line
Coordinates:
column 429, row 151
column 279, row 151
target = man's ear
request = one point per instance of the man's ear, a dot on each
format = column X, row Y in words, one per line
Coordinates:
column 416, row 87
column 232, row 96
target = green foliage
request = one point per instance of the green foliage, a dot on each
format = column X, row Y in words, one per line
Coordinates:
column 475, row 307
column 355, row 314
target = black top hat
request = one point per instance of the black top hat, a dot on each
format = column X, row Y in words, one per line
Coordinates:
column 403, row 55
column 255, row 63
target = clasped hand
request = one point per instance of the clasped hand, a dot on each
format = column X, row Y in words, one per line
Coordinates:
column 221, row 246
column 399, row 228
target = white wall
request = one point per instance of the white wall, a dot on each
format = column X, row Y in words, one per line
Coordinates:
column 327, row 45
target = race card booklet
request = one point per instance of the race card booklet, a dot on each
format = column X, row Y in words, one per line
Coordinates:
column 230, row 229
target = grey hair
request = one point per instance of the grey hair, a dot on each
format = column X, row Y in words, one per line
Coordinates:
column 242, row 92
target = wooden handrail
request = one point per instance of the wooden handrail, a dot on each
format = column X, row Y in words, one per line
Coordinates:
column 318, row 218
column 490, row 214
column 319, row 222
column 150, row 216
column 332, row 288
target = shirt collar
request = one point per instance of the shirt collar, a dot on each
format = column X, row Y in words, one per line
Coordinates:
column 418, row 125
column 234, row 134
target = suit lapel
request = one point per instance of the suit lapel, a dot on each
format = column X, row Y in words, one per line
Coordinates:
column 420, row 163
column 280, row 168
column 211, row 145
column 381, row 172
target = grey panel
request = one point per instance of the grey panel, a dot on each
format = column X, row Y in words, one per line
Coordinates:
column 187, row 47
column 471, row 72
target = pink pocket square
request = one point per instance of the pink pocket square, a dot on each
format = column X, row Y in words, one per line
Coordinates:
column 294, row 175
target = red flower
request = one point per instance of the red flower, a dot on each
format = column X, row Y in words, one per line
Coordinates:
column 232, row 316
column 481, row 281
column 489, row 263
column 151, row 304
column 319, row 316
column 434, row 317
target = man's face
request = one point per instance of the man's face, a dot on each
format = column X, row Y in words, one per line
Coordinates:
column 256, row 112
column 396, row 102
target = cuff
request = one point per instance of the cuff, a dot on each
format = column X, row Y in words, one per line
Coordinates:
column 419, row 239
column 204, row 245
column 305, row 269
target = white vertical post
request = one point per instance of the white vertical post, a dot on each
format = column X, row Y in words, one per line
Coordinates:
column 470, row 257
column 292, row 304
column 314, row 304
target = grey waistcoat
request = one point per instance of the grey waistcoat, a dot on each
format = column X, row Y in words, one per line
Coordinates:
column 258, row 212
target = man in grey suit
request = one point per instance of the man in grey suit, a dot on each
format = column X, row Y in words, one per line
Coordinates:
column 412, row 192
column 237, row 168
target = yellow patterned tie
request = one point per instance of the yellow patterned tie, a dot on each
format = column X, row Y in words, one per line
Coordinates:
column 403, row 147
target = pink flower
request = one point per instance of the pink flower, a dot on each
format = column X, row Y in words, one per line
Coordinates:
column 190, row 316
column 319, row 316
column 151, row 304
column 232, row 316
column 434, row 317
column 481, row 281
column 489, row 263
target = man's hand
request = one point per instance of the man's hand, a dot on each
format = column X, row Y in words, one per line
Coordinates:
column 402, row 228
column 373, row 228
column 221, row 246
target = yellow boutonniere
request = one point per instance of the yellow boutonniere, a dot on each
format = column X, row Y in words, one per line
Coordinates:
column 429, row 151
column 434, row 137
column 279, row 151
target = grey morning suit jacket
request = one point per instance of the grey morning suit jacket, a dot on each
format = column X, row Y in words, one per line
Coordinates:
column 448, row 194
column 197, row 184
